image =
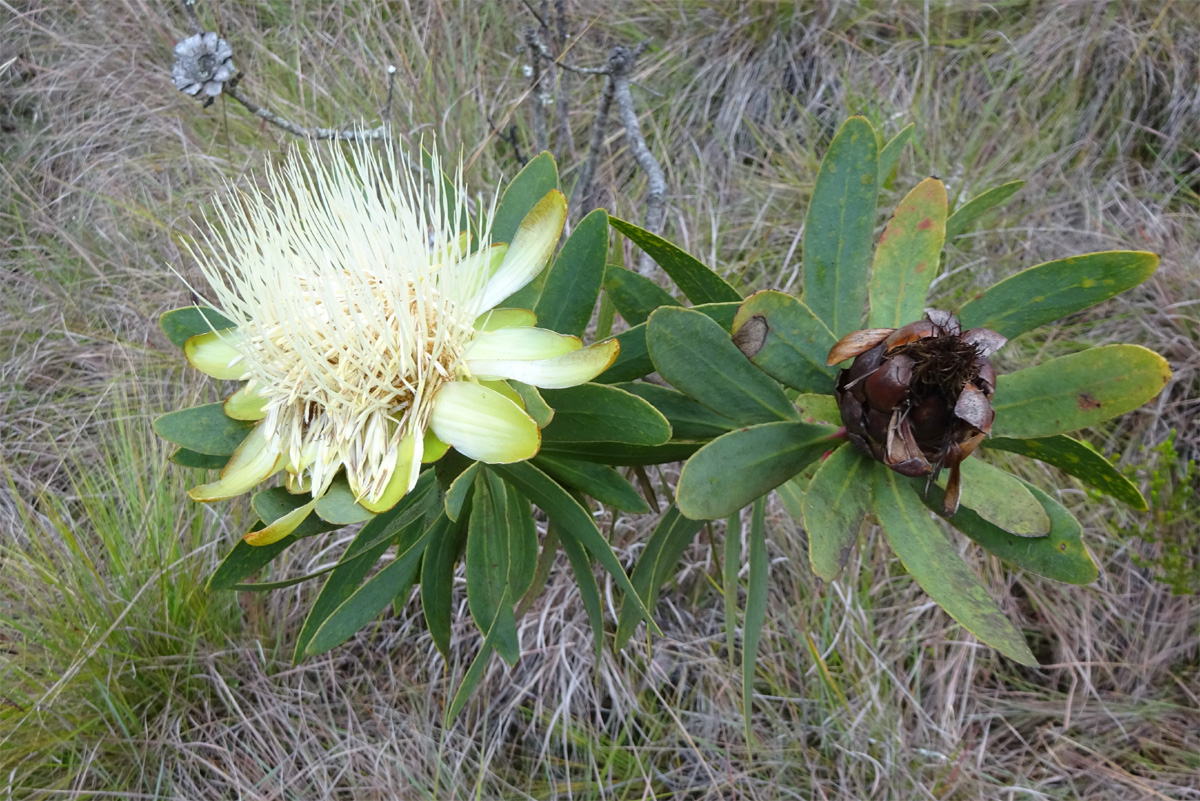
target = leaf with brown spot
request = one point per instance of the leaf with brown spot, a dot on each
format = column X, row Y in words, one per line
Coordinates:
column 907, row 256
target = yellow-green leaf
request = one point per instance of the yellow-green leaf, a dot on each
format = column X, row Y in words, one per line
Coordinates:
column 906, row 259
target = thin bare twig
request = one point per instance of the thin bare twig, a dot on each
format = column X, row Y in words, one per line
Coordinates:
column 563, row 103
column 583, row 196
column 621, row 61
column 344, row 134
column 189, row 8
column 536, row 97
column 511, row 138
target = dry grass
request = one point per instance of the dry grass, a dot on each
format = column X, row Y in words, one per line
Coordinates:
column 120, row 676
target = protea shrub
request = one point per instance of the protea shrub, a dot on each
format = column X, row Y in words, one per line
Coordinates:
column 394, row 354
column 902, row 435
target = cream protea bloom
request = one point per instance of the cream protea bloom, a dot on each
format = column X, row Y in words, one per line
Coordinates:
column 367, row 332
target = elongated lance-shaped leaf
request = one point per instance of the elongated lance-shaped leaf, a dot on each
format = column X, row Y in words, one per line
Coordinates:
column 689, row 418
column 1055, row 289
column 437, row 580
column 698, row 283
column 890, row 154
column 203, row 461
column 244, row 560
column 493, row 547
column 597, row 480
column 339, row 504
column 478, row 665
column 180, row 325
column 1077, row 390
column 377, row 592
column 573, row 283
column 634, row 360
column 839, row 226
column 730, row 569
column 756, row 607
column 1002, row 499
column 671, row 537
column 589, row 590
column 203, row 429
column 838, row 497
column 931, row 559
column 681, row 339
column 728, row 473
column 1060, row 555
column 785, row 340
column 353, row 566
column 1078, row 459
column 906, row 259
column 966, row 215
column 603, row 413
column 633, row 295
column 460, row 490
column 620, row 455
column 573, row 522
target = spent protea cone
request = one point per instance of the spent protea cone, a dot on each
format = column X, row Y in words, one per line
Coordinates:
column 918, row 398
column 366, row 328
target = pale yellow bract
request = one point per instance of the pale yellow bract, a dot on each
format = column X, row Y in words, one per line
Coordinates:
column 367, row 333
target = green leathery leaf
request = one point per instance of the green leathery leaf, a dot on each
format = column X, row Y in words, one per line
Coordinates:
column 839, row 227
column 1078, row 459
column 356, row 561
column 180, row 325
column 437, row 581
column 966, row 215
column 185, row 458
column 597, row 480
column 621, row 455
column 203, row 429
column 728, row 473
column 819, row 409
column 573, row 282
column 1060, row 555
column 589, row 590
column 681, row 340
column 377, row 592
column 634, row 359
column 785, row 340
column 730, row 569
column 1001, row 499
column 529, row 186
column 476, row 671
column 338, row 504
column 833, row 506
column 245, row 560
column 1077, row 390
column 603, row 413
column 890, row 153
column 633, row 295
column 933, row 562
column 573, row 521
column 906, row 258
column 671, row 537
column 698, row 283
column 689, row 419
column 460, row 491
column 490, row 556
column 535, row 406
column 756, row 606
column 1055, row 289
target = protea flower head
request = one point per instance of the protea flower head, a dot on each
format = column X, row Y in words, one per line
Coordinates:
column 918, row 398
column 366, row 329
column 203, row 63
